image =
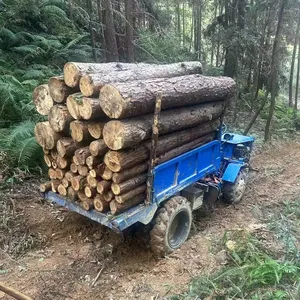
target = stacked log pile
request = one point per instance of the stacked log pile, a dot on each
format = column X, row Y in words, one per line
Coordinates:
column 96, row 141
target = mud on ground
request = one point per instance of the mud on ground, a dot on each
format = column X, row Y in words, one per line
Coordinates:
column 64, row 252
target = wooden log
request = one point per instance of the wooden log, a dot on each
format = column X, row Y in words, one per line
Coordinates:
column 46, row 151
column 107, row 173
column 98, row 148
column 90, row 109
column 78, row 182
column 92, row 182
column 63, row 163
column 184, row 148
column 60, row 174
column 48, row 160
column 66, row 146
column 91, row 84
column 89, row 191
column 88, row 204
column 129, row 195
column 73, row 71
column 74, row 102
column 117, row 161
column 75, row 160
column 108, row 196
column 81, row 195
column 100, row 204
column 83, row 170
column 117, row 208
column 103, row 186
column 54, row 154
column 45, row 135
column 42, row 99
column 54, row 185
column 74, row 168
column 62, row 190
column 122, row 100
column 54, row 164
column 95, row 129
column 45, row 187
column 52, row 173
column 79, row 131
column 93, row 161
column 130, row 173
column 65, row 182
column 128, row 185
column 72, row 194
column 59, row 91
column 82, row 154
column 60, row 119
column 69, row 175
column 129, row 132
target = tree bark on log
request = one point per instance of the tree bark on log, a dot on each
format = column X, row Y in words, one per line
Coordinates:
column 117, row 208
column 45, row 187
column 128, row 185
column 95, row 129
column 45, row 135
column 108, row 196
column 79, row 131
column 129, row 195
column 72, row 194
column 90, row 84
column 42, row 99
column 82, row 154
column 93, row 161
column 81, row 195
column 130, row 173
column 117, row 161
column 73, row 104
column 60, row 119
column 100, row 204
column 98, row 148
column 59, row 91
column 119, row 134
column 66, row 146
column 121, row 100
column 103, row 186
column 90, row 109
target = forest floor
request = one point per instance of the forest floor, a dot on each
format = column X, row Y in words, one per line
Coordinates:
column 50, row 253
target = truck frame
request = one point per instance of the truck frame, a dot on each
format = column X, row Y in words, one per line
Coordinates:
column 216, row 170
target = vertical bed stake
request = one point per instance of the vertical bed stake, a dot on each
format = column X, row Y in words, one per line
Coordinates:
column 154, row 140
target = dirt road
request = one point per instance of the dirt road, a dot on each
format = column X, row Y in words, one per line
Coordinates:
column 73, row 250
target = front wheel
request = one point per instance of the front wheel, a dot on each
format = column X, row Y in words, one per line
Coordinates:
column 172, row 226
column 234, row 192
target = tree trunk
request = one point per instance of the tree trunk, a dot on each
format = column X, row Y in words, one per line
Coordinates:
column 80, row 132
column 58, row 89
column 100, row 19
column 90, row 109
column 136, row 98
column 297, row 80
column 66, row 147
column 117, row 208
column 130, row 173
column 42, row 99
column 129, row 195
column 128, row 185
column 129, row 30
column 60, row 119
column 178, row 20
column 125, row 133
column 274, row 68
column 95, row 129
column 199, row 30
column 121, row 160
column 98, row 148
column 183, row 24
column 82, row 154
column 45, row 135
column 100, row 204
column 109, row 32
column 103, row 186
column 91, row 84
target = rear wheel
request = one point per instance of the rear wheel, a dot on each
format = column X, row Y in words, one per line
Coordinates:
column 172, row 226
column 234, row 192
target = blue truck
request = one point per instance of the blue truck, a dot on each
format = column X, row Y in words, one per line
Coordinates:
column 216, row 170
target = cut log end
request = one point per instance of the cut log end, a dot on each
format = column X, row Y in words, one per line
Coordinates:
column 113, row 133
column 71, row 74
column 60, row 118
column 45, row 135
column 62, row 190
column 88, row 204
column 95, row 129
column 44, row 187
column 42, row 99
column 86, row 86
column 100, row 204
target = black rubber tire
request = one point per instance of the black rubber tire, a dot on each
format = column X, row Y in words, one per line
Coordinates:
column 174, row 210
column 233, row 192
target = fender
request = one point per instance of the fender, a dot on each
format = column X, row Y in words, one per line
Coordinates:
column 232, row 171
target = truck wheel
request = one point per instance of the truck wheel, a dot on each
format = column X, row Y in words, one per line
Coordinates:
column 172, row 226
column 234, row 192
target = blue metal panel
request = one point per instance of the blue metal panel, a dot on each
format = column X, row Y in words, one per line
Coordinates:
column 232, row 172
column 238, row 139
column 176, row 174
column 118, row 223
